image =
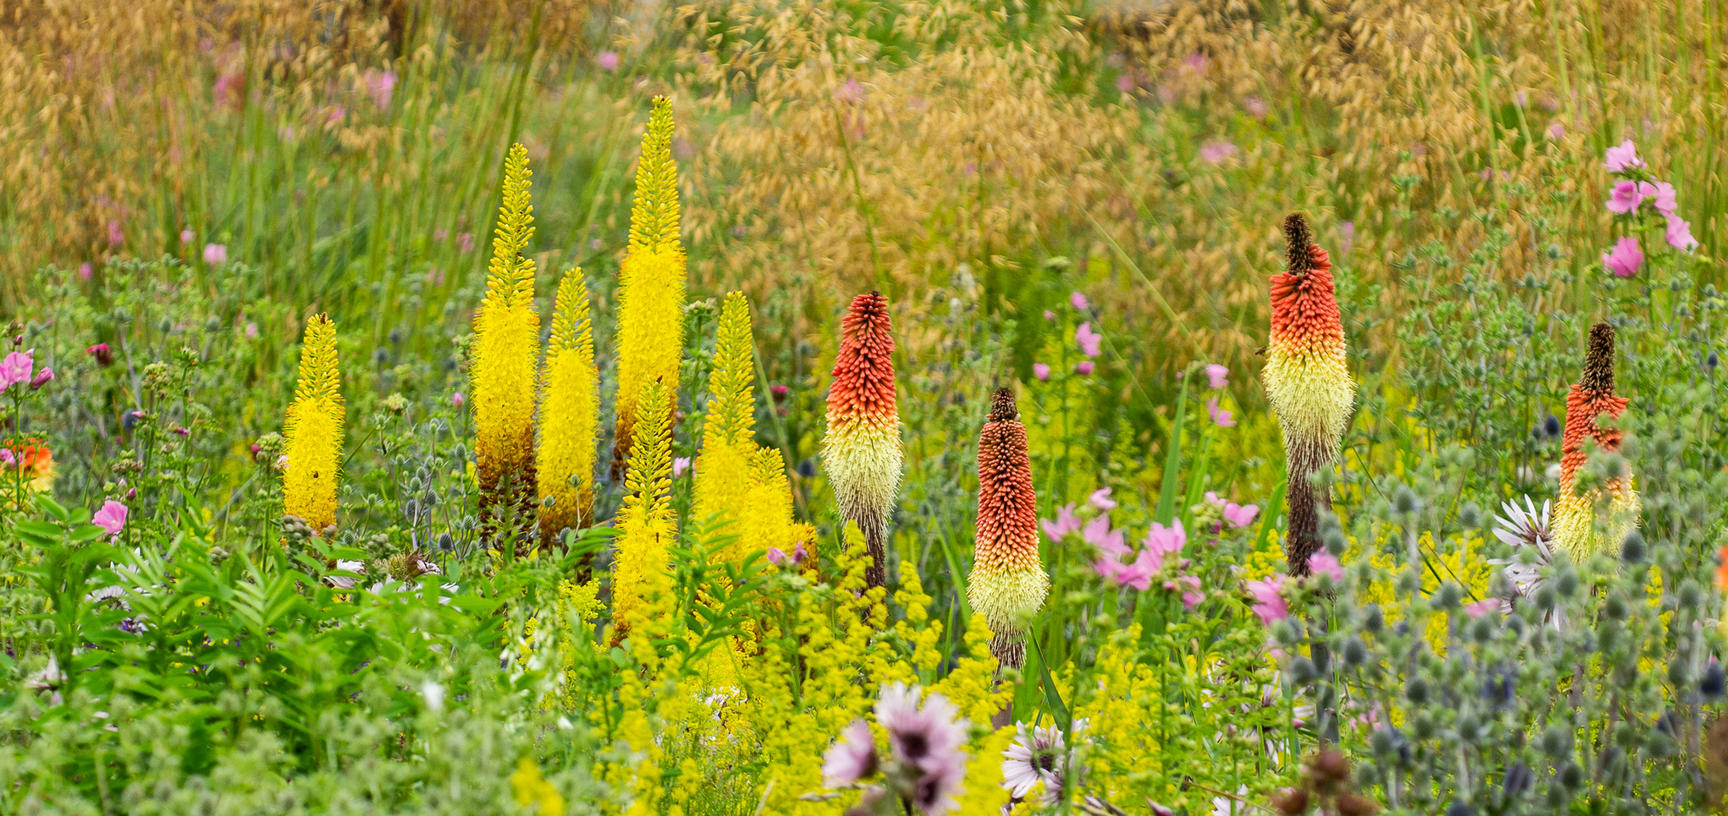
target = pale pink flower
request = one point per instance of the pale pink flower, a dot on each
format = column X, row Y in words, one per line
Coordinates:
column 1325, row 563
column 458, row 399
column 465, row 242
column 1163, row 541
column 1666, row 204
column 1482, row 607
column 1083, row 368
column 1557, row 131
column 1090, row 342
column 1240, row 515
column 116, row 235
column 1217, row 151
column 851, row 92
column 1627, row 195
column 1100, row 499
column 16, row 368
column 215, row 254
column 1220, row 417
column 1064, row 524
column 1097, row 532
column 1217, row 376
column 187, row 236
column 111, row 517
column 1679, row 234
column 1255, row 106
column 927, row 738
column 1268, row 603
column 1078, row 300
column 1041, row 371
column 1125, row 82
column 851, row 758
column 1622, row 157
column 1625, row 258
column 43, row 377
column 1049, row 315
column 85, row 271
column 7, row 457
column 381, row 85
column 680, row 464
column 1346, row 237
column 607, row 61
column 1037, row 757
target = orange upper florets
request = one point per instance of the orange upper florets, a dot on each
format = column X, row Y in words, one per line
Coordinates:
column 1304, row 306
column 864, row 369
column 1007, row 517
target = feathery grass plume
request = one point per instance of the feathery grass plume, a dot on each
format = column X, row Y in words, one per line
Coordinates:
column 861, row 449
column 1008, row 584
column 569, row 415
column 312, row 433
column 650, row 283
column 505, row 352
column 1307, row 383
column 646, row 523
column 1575, row 527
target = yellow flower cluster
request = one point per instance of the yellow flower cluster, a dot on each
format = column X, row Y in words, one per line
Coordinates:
column 646, row 522
column 570, row 411
column 650, row 283
column 312, row 432
column 506, row 345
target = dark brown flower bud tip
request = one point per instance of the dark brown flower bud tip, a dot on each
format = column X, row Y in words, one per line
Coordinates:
column 1291, row 802
column 1599, row 360
column 1297, row 241
column 1330, row 765
column 1002, row 407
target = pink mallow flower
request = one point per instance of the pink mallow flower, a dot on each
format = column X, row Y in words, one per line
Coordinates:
column 1063, row 525
column 215, row 254
column 1100, row 499
column 16, row 368
column 680, row 464
column 1083, row 368
column 381, row 85
column 1090, row 342
column 1078, row 300
column 606, row 61
column 1268, row 603
column 1217, row 151
column 1627, row 195
column 1041, row 371
column 1482, row 607
column 111, row 517
column 1625, row 258
column 1217, row 376
column 1325, row 563
column 1236, row 515
column 1622, row 157
column 1220, row 417
column 1097, row 532
column 1666, row 204
column 43, row 377
column 1679, row 234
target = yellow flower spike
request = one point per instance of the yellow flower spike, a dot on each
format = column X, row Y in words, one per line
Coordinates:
column 650, row 284
column 646, row 522
column 729, row 423
column 313, row 430
column 533, row 791
column 1308, row 384
column 569, row 415
column 505, row 352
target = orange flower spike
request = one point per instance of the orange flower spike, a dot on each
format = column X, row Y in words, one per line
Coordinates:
column 1592, row 397
column 1008, row 584
column 861, row 449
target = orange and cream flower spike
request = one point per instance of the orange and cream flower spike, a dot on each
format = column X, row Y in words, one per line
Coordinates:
column 1307, row 383
column 312, row 433
column 1575, row 527
column 861, row 449
column 1008, row 584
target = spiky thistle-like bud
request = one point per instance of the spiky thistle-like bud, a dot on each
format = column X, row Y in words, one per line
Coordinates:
column 1307, row 382
column 1575, row 523
column 1008, row 584
column 569, row 415
column 312, row 433
column 650, row 283
column 646, row 523
column 861, row 448
column 505, row 359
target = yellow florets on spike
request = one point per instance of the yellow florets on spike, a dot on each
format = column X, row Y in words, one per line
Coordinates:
column 646, row 523
column 569, row 415
column 313, row 430
column 505, row 351
column 650, row 282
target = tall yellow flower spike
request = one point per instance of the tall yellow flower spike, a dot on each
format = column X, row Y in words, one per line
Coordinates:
column 506, row 344
column 650, row 284
column 569, row 415
column 729, row 423
column 646, row 522
column 313, row 430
